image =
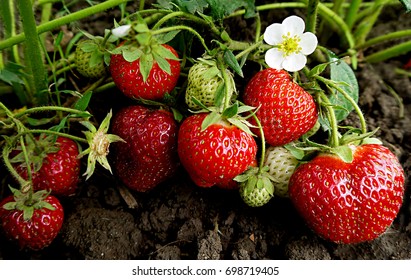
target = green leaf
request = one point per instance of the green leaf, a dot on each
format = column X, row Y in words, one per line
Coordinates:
column 220, row 9
column 166, row 37
column 407, row 5
column 188, row 6
column 83, row 102
column 317, row 70
column 231, row 61
column 164, row 52
column 39, row 122
column 344, row 77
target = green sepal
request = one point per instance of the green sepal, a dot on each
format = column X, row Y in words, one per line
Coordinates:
column 212, row 118
column 232, row 62
column 344, row 152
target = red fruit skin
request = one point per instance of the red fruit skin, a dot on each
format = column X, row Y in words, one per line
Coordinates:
column 60, row 171
column 36, row 233
column 149, row 156
column 128, row 78
column 215, row 155
column 349, row 202
column 286, row 111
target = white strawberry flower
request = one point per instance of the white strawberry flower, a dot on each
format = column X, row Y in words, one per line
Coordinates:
column 291, row 44
column 121, row 31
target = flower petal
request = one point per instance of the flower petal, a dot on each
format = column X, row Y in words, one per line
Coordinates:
column 294, row 62
column 293, row 24
column 308, row 43
column 121, row 31
column 273, row 34
column 274, row 58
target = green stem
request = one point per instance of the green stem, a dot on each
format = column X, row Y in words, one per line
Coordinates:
column 53, row 24
column 389, row 52
column 182, row 27
column 325, row 103
column 357, row 108
column 33, row 53
column 380, row 39
column 263, row 146
column 352, row 13
column 48, row 108
column 6, row 153
column 227, row 83
column 311, row 21
column 57, row 133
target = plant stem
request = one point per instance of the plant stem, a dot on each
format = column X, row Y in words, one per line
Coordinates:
column 48, row 108
column 311, row 21
column 33, row 53
column 53, row 24
column 6, row 153
column 260, row 129
column 57, row 133
column 182, row 27
column 352, row 13
column 386, row 37
column 389, row 52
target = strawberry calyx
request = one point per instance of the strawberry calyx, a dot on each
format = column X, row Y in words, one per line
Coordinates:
column 99, row 143
column 256, row 186
column 141, row 43
column 28, row 202
column 36, row 150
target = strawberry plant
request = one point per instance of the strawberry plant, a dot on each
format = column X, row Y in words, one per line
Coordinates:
column 166, row 88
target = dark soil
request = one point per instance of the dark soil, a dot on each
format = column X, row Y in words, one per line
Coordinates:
column 178, row 220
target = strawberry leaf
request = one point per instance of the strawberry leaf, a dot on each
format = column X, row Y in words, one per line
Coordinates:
column 344, row 78
column 407, row 5
column 166, row 37
column 83, row 102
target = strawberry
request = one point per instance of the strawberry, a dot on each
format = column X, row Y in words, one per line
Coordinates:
column 286, row 111
column 281, row 164
column 145, row 75
column 216, row 154
column 349, row 202
column 33, row 225
column 256, row 186
column 89, row 59
column 55, row 165
column 149, row 155
column 204, row 82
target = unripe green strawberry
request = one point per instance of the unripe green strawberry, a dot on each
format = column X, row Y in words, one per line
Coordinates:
column 281, row 165
column 255, row 197
column 90, row 59
column 256, row 186
column 205, row 83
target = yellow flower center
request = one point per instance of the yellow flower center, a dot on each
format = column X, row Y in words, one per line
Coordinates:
column 290, row 44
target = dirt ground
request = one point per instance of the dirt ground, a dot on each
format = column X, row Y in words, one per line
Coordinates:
column 178, row 220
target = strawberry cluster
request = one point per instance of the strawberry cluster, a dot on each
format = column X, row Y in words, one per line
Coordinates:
column 261, row 141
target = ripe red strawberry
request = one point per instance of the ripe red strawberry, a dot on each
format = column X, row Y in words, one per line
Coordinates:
column 286, row 111
column 149, row 155
column 215, row 155
column 349, row 202
column 40, row 229
column 131, row 80
column 55, row 166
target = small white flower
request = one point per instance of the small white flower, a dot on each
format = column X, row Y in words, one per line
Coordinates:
column 121, row 31
column 291, row 44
